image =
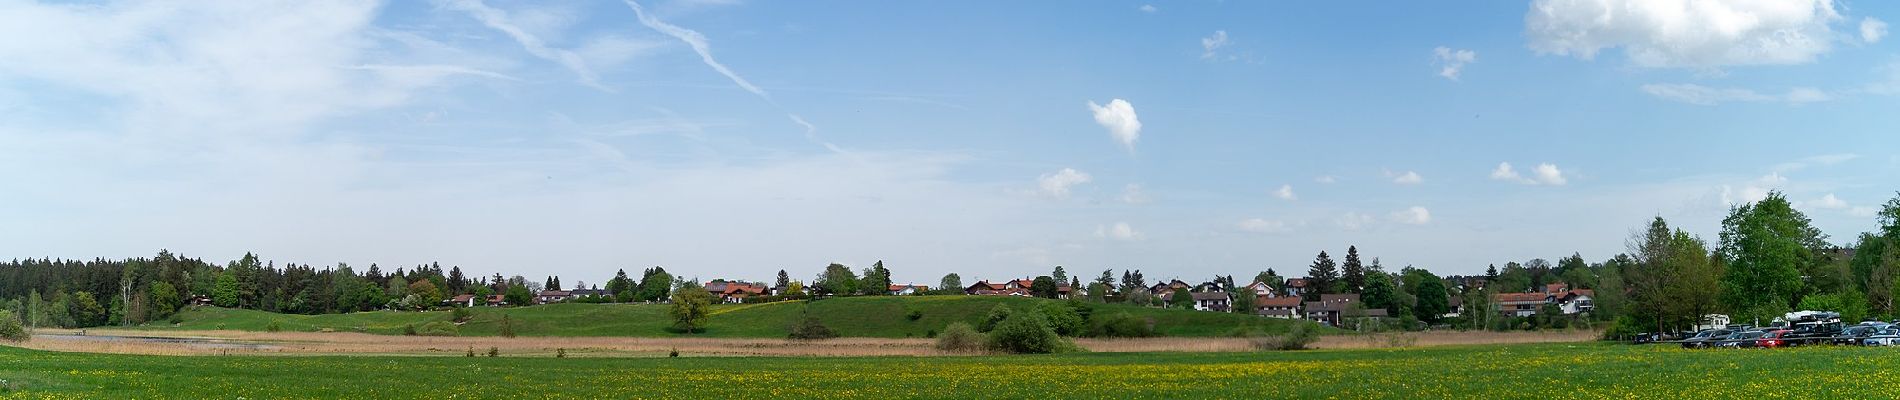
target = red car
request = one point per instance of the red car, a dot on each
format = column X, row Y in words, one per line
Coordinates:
column 1773, row 339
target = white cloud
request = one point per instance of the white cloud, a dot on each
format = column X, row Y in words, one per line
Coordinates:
column 1148, row 8
column 1684, row 33
column 1872, row 30
column 1259, row 225
column 499, row 20
column 1353, row 221
column 1548, row 174
column 1326, row 179
column 1285, row 193
column 1406, row 178
column 1118, row 231
column 1132, row 194
column 1057, row 184
column 1752, row 191
column 1829, row 202
column 1452, row 62
column 1119, row 117
column 1504, row 172
column 1210, row 44
column 1414, row 215
column 1707, row 96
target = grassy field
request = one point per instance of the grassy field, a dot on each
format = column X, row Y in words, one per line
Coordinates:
column 883, row 316
column 1510, row 371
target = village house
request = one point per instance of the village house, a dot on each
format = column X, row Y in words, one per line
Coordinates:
column 910, row 289
column 1261, row 289
column 1333, row 308
column 1165, row 291
column 1210, row 301
column 734, row 291
column 552, row 296
column 1286, row 307
column 985, row 288
column 460, row 300
column 1570, row 301
column 1295, row 287
column 496, row 300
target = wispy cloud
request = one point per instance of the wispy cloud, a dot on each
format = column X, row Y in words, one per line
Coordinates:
column 699, row 44
column 1452, row 62
column 1707, row 96
column 499, row 20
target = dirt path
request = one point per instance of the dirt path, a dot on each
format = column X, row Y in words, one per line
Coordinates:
column 313, row 343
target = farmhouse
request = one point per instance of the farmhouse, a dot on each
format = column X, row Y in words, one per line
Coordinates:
column 1296, row 287
column 460, row 300
column 734, row 291
column 1517, row 304
column 985, row 288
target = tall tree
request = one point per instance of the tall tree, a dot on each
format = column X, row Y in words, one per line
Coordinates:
column 1765, row 246
column 1107, row 280
column 620, row 286
column 1379, row 293
column 784, row 280
column 1059, row 275
column 950, row 283
column 655, row 283
column 1321, row 276
column 836, row 280
column 690, row 305
column 1044, row 287
column 1352, row 273
column 877, row 280
column 456, row 282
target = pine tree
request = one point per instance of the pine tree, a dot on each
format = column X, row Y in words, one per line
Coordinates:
column 1321, row 276
column 1354, row 273
column 784, row 280
column 1059, row 274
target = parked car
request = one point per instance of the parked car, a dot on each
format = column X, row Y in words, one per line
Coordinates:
column 1646, row 338
column 1773, row 339
column 1740, row 340
column 1704, row 338
column 1853, row 335
column 1814, row 332
column 1889, row 336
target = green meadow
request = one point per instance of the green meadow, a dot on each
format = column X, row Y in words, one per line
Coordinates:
column 1595, row 371
column 870, row 316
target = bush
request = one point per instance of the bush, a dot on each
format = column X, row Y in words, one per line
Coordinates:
column 933, row 333
column 1121, row 325
column 461, row 314
column 434, row 328
column 1027, row 333
column 960, row 337
column 274, row 327
column 560, row 353
column 997, row 315
column 507, row 326
column 494, row 352
column 409, row 330
column 1064, row 319
column 11, row 329
column 808, row 328
column 175, row 319
column 1302, row 335
column 914, row 315
column 471, row 351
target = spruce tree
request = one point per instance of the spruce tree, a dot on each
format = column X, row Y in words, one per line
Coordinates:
column 1353, row 273
column 1321, row 276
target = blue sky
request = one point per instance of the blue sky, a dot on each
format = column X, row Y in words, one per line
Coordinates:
column 731, row 138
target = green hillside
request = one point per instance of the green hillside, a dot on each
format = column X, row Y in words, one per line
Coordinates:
column 882, row 316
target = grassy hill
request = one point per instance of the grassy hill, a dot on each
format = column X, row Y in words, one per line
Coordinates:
column 882, row 316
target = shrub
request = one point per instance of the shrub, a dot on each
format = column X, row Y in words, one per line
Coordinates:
column 494, row 352
column 1064, row 319
column 997, row 315
column 933, row 333
column 220, row 326
column 507, row 326
column 436, row 328
column 471, row 351
column 914, row 315
column 1623, row 328
column 960, row 337
column 409, row 330
column 274, row 327
column 11, row 329
column 461, row 314
column 1302, row 335
column 808, row 328
column 1027, row 333
column 675, row 353
column 1121, row 325
column 175, row 319
column 560, row 353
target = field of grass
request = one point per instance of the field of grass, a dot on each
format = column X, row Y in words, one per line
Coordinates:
column 882, row 316
column 1509, row 371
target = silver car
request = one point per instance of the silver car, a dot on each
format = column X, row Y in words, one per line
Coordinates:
column 1885, row 337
